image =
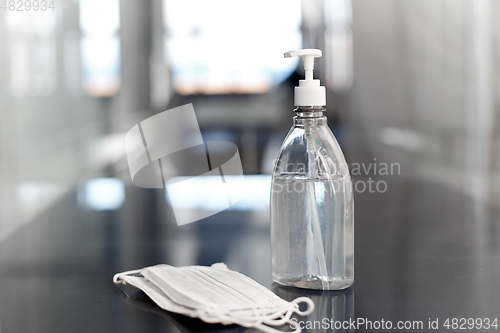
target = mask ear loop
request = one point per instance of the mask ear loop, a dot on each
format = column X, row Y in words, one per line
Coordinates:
column 261, row 321
column 210, row 314
column 117, row 278
column 308, row 301
column 270, row 320
column 267, row 329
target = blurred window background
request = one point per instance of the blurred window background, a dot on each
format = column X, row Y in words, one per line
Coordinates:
column 412, row 82
column 100, row 47
column 237, row 53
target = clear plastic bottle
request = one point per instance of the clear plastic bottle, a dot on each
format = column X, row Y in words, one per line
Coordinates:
column 312, row 207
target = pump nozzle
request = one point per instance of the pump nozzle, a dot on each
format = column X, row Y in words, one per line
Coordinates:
column 309, row 92
column 308, row 55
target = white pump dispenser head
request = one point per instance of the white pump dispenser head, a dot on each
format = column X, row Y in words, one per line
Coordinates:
column 309, row 92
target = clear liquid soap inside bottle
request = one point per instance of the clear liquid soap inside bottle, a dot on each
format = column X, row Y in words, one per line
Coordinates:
column 312, row 222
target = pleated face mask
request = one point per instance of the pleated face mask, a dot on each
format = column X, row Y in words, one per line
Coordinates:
column 215, row 295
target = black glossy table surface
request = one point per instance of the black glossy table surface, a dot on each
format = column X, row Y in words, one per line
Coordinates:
column 423, row 252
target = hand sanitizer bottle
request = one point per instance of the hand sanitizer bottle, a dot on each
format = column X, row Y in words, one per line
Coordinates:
column 312, row 206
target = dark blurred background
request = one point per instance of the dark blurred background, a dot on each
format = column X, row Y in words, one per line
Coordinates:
column 408, row 82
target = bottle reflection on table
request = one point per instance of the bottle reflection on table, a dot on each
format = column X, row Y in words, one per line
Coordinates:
column 332, row 309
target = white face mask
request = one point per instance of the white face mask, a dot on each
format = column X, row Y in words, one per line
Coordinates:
column 215, row 295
